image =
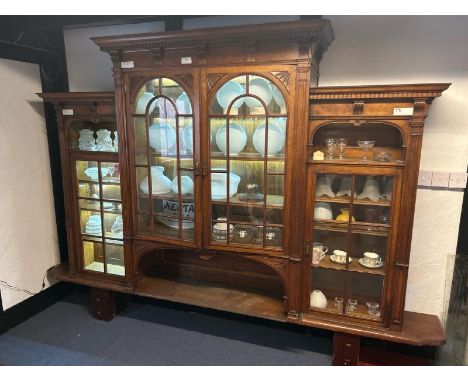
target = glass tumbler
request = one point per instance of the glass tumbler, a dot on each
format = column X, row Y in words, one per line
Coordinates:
column 342, row 143
column 331, row 145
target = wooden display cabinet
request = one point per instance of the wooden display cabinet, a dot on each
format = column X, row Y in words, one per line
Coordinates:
column 222, row 198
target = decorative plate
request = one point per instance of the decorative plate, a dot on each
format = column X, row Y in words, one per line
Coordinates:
column 379, row 264
column 333, row 258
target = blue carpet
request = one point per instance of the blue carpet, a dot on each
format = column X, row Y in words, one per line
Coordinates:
column 145, row 334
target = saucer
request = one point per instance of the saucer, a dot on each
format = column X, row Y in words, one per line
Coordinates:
column 379, row 264
column 333, row 258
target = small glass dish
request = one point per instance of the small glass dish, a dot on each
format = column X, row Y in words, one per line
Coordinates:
column 242, row 234
column 339, row 303
column 351, row 305
column 383, row 156
column 373, row 308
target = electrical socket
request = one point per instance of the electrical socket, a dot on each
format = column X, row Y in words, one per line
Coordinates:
column 457, row 180
column 440, row 179
column 425, row 178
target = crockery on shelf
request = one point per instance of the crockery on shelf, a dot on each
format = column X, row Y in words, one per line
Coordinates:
column 228, row 92
column 160, row 184
column 219, row 185
column 318, row 155
column 186, row 183
column 345, row 187
column 183, row 104
column 370, row 190
column 323, row 211
column 339, row 257
column 273, row 236
column 162, row 138
column 372, row 259
column 344, row 215
column 237, row 139
column 92, row 172
column 86, row 141
column 174, row 222
column 220, row 229
column 252, row 191
column 276, row 139
column 104, row 140
column 318, row 299
column 278, row 97
column 364, row 263
column 261, row 88
column 351, row 305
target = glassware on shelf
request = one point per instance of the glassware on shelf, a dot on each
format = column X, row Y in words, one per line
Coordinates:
column 104, row 140
column 93, row 225
column 86, row 142
column 373, row 308
column 383, row 156
column 252, row 191
column 370, row 215
column 117, row 227
column 339, row 303
column 273, row 236
column 365, row 145
column 351, row 305
column 384, row 218
column 331, row 146
column 342, row 143
column 242, row 234
column 93, row 172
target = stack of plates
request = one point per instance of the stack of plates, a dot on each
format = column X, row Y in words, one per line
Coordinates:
column 93, row 226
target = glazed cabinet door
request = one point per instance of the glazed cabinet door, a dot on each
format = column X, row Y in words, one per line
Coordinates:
column 350, row 233
column 164, row 163
column 247, row 124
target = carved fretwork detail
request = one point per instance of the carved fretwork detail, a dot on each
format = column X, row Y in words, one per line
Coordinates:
column 158, row 55
column 284, row 77
column 358, row 107
column 187, row 79
column 212, row 79
column 250, row 50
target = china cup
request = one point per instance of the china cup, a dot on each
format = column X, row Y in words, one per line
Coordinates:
column 340, row 256
column 371, row 258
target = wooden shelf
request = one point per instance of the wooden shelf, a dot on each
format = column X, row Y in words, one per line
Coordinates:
column 212, row 296
column 347, row 200
column 246, row 157
column 357, row 161
column 353, row 266
column 104, row 182
column 273, row 202
column 362, row 228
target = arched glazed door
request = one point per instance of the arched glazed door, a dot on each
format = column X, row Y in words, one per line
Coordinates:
column 164, row 165
column 248, row 125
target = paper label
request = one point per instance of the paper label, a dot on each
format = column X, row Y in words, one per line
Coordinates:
column 403, row 111
column 186, row 60
column 127, row 64
column 67, row 112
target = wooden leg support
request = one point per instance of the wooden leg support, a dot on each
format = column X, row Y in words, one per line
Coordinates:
column 346, row 348
column 105, row 304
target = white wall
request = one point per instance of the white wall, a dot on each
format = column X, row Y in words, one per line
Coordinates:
column 412, row 49
column 28, row 233
column 370, row 50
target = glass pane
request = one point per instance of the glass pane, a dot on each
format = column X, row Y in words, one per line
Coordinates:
column 274, row 237
column 227, row 93
column 162, row 129
column 276, row 138
column 89, row 205
column 237, row 138
column 374, row 190
column 93, row 255
column 113, row 223
column 275, row 167
column 370, row 251
column 144, row 224
column 141, row 148
column 333, row 188
column 269, row 93
column 88, row 171
column 329, row 248
column 88, row 190
column 186, row 137
column 218, row 210
column 365, row 295
column 166, row 226
column 115, row 257
column 143, row 189
column 247, row 106
column 327, row 290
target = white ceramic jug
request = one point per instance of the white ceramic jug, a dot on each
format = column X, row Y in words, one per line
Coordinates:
column 318, row 299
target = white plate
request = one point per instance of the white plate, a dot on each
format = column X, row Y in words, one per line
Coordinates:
column 363, row 263
column 333, row 258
